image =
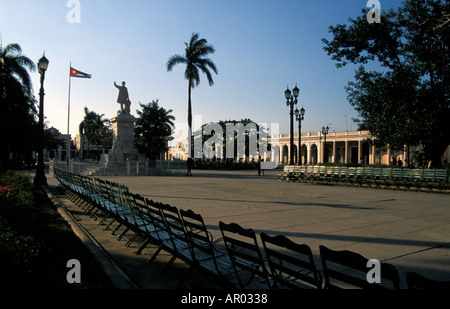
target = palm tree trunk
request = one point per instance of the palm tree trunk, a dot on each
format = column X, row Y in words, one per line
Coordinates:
column 189, row 119
column 88, row 151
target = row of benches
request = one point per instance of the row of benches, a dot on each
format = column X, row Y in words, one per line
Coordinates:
column 237, row 260
column 375, row 177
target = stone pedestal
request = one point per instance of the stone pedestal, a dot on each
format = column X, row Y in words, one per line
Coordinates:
column 123, row 137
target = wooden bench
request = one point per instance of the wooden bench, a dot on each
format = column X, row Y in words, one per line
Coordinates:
column 291, row 265
column 347, row 269
column 245, row 255
column 287, row 171
column 299, row 173
column 412, row 178
column 396, row 179
column 207, row 258
column 372, row 175
column 434, row 179
column 350, row 175
column 148, row 229
column 160, row 234
column 179, row 245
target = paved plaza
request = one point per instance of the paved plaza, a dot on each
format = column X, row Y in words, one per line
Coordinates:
column 410, row 230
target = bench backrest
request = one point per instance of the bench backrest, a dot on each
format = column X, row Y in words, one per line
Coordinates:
column 291, row 265
column 347, row 269
column 245, row 254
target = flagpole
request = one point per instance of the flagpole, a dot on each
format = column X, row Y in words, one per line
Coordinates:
column 68, row 121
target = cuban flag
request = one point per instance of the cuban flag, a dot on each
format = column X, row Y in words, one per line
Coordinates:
column 79, row 74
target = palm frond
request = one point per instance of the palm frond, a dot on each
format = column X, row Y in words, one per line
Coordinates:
column 193, row 75
column 174, row 60
column 207, row 62
column 15, row 65
column 12, row 48
column 194, row 39
column 208, row 74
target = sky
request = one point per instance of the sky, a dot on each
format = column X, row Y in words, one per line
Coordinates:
column 262, row 47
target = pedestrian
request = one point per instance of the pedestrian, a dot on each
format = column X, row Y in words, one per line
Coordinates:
column 260, row 170
column 189, row 167
column 394, row 161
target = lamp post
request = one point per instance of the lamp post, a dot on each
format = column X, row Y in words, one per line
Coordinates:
column 40, row 179
column 300, row 116
column 325, row 132
column 291, row 100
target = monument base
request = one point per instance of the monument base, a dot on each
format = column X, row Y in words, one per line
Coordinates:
column 123, row 145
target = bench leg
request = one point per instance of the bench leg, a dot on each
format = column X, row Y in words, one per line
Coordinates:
column 143, row 246
column 166, row 268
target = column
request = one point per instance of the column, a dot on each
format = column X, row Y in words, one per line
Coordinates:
column 372, row 157
column 334, row 152
column 388, row 151
column 359, row 151
column 346, row 152
column 320, row 152
column 308, row 154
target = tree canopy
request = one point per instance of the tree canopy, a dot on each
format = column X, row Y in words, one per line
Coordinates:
column 405, row 99
column 96, row 129
column 18, row 113
column 246, row 128
column 153, row 130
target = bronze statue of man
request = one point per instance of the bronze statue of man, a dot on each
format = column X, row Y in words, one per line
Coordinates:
column 123, row 98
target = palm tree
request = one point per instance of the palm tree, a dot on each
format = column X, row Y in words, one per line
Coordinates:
column 93, row 128
column 17, row 102
column 14, row 67
column 195, row 59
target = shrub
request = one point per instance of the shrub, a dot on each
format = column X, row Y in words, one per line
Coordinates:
column 17, row 220
column 16, row 251
column 16, row 190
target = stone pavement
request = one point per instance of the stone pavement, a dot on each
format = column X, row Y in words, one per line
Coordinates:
column 410, row 230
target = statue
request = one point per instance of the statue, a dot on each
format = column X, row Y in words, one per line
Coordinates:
column 123, row 98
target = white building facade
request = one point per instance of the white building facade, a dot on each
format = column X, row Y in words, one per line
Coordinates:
column 354, row 147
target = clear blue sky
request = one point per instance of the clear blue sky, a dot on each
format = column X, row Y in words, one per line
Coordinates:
column 261, row 47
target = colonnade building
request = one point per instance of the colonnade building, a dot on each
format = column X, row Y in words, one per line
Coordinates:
column 353, row 147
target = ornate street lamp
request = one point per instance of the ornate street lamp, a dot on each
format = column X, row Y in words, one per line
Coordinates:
column 300, row 116
column 325, row 132
column 40, row 179
column 291, row 100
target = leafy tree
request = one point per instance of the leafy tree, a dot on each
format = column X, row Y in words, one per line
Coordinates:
column 153, row 130
column 406, row 100
column 249, row 135
column 18, row 113
column 195, row 59
column 96, row 129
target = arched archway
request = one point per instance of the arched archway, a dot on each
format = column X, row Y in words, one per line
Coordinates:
column 365, row 153
column 304, row 155
column 285, row 154
column 314, row 153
